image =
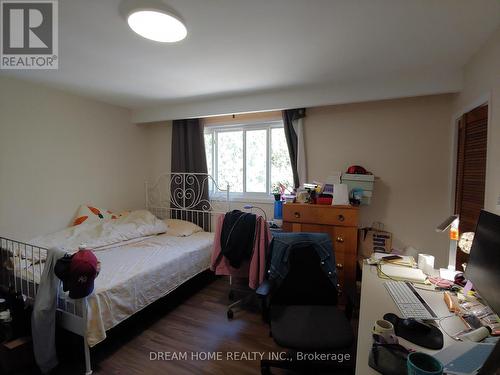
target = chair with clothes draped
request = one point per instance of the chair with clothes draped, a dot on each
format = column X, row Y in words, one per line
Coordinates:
column 240, row 251
column 301, row 305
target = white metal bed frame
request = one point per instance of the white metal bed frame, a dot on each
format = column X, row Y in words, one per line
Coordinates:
column 173, row 195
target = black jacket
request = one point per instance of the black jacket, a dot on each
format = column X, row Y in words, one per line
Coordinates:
column 237, row 237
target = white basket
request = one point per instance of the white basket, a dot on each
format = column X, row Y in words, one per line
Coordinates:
column 360, row 181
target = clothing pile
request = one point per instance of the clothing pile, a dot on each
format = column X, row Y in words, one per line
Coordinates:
column 241, row 246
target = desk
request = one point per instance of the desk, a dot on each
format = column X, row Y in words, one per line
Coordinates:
column 376, row 301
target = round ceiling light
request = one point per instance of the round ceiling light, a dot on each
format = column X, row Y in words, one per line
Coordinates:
column 157, row 25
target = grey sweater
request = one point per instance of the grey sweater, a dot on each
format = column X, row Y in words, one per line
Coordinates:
column 43, row 320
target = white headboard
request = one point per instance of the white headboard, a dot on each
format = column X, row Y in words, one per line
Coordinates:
column 194, row 197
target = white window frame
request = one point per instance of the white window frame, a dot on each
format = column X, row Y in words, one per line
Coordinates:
column 244, row 127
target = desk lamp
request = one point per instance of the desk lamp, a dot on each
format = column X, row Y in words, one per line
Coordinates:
column 451, row 223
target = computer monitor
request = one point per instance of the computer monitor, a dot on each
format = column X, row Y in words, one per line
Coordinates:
column 483, row 267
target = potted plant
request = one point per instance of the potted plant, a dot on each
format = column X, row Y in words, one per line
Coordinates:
column 277, row 192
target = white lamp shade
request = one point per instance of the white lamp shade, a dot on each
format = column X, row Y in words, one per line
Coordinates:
column 157, row 25
column 465, row 242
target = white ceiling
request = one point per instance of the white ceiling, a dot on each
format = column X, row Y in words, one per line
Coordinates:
column 245, row 47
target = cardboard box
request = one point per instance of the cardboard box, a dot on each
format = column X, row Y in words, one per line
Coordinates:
column 16, row 355
column 373, row 240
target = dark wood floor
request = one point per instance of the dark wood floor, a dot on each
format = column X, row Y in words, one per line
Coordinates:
column 192, row 320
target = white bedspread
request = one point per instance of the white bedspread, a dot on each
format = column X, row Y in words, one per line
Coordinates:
column 99, row 235
column 137, row 266
column 135, row 275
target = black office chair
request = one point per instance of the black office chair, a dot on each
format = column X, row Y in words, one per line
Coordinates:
column 303, row 317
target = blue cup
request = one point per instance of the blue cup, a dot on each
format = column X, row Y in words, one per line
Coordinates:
column 423, row 364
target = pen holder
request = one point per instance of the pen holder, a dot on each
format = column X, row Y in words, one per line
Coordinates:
column 423, row 364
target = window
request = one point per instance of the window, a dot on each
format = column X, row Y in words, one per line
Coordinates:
column 252, row 158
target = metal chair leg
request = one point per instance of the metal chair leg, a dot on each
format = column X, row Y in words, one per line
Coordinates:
column 88, row 366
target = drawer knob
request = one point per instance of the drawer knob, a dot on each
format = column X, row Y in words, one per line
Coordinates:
column 339, row 290
column 341, row 217
column 296, row 214
column 340, row 266
column 339, row 239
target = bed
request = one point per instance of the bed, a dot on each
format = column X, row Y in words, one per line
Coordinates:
column 134, row 272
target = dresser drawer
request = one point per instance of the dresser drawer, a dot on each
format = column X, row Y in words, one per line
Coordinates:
column 344, row 239
column 341, row 274
column 339, row 261
column 340, row 223
column 326, row 215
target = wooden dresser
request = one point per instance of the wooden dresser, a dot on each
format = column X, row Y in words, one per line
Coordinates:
column 341, row 223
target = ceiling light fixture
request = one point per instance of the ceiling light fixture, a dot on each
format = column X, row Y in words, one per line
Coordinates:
column 157, row 25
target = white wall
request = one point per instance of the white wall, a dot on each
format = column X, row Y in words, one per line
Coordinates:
column 158, row 143
column 482, row 82
column 397, row 85
column 58, row 151
column 405, row 143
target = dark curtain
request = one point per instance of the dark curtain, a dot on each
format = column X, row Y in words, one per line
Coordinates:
column 289, row 116
column 188, row 156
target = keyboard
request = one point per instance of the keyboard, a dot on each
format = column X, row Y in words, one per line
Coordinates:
column 409, row 302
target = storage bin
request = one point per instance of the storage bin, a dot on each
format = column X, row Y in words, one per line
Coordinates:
column 360, row 181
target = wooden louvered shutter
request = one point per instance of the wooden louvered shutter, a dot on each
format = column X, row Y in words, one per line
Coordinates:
column 471, row 170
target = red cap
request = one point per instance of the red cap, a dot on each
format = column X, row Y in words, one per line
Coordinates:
column 83, row 270
column 356, row 169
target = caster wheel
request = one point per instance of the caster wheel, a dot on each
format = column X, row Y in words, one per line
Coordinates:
column 230, row 314
column 265, row 370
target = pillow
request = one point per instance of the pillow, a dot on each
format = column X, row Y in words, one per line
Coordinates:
column 181, row 228
column 90, row 214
